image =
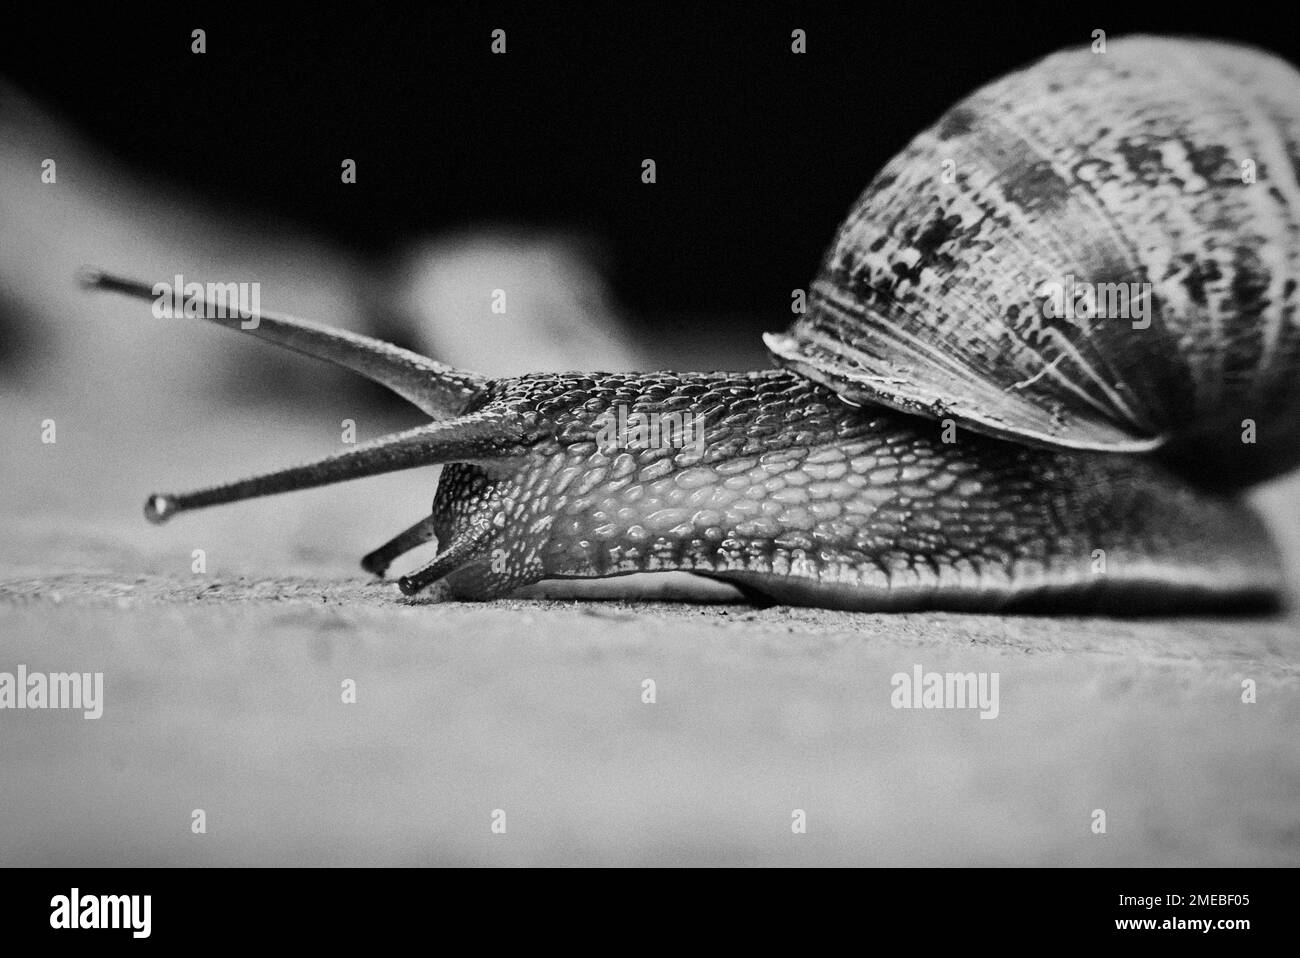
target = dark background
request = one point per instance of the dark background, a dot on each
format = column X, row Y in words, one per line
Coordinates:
column 759, row 151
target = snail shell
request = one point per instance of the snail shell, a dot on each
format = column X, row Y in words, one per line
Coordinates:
column 1167, row 163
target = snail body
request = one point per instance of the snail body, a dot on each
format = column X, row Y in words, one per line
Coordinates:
column 941, row 435
column 804, row 499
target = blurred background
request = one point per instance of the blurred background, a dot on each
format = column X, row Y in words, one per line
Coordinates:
column 521, row 172
column 478, row 171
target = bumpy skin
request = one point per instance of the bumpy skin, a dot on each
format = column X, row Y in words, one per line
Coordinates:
column 806, row 499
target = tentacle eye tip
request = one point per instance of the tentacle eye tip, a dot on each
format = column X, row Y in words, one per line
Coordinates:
column 408, row 585
column 158, row 509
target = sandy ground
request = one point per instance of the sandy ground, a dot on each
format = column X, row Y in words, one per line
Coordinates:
column 223, row 693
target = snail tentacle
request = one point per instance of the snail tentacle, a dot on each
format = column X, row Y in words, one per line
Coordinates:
column 378, row 561
column 462, row 557
column 435, row 388
column 477, row 437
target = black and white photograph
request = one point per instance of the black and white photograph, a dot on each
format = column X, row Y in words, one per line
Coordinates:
column 479, row 435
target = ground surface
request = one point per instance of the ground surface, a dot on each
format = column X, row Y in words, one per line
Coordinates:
column 223, row 693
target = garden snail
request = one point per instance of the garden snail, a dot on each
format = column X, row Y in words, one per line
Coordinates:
column 940, row 433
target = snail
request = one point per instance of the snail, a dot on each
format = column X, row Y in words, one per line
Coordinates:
column 1027, row 377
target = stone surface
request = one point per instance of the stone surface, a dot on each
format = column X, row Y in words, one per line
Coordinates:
column 223, row 693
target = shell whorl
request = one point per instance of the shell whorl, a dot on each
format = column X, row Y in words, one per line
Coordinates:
column 1170, row 166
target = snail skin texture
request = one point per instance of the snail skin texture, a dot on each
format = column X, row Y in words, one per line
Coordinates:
column 941, row 434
